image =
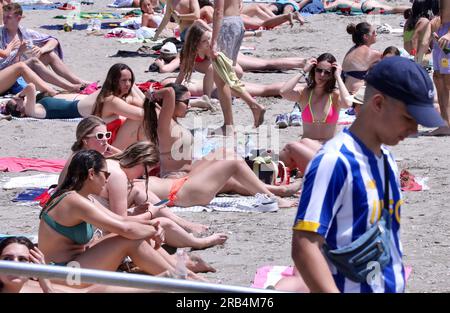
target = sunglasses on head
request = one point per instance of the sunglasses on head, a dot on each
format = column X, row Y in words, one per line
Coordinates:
column 101, row 136
column 186, row 101
column 321, row 70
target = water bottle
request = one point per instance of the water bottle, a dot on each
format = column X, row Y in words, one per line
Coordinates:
column 180, row 267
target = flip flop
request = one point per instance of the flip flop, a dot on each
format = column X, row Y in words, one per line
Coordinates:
column 66, row 6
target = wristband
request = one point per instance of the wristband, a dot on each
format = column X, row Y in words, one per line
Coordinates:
column 413, row 52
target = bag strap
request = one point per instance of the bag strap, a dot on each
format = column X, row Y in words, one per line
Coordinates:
column 386, row 183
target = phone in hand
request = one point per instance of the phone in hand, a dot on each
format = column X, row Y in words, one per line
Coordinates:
column 161, row 203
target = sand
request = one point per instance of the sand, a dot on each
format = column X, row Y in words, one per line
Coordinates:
column 256, row 239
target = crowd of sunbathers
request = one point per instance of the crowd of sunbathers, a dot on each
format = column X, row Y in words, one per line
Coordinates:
column 130, row 151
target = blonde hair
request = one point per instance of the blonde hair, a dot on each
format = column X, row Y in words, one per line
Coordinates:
column 84, row 128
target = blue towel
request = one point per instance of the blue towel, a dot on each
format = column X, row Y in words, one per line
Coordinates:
column 29, row 194
column 315, row 7
column 29, row 7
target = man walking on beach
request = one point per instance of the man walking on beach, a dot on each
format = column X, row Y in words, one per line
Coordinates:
column 344, row 185
column 227, row 35
column 441, row 75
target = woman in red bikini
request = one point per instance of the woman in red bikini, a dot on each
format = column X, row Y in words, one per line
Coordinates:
column 320, row 103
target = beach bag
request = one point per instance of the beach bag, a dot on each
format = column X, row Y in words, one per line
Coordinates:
column 268, row 171
column 354, row 260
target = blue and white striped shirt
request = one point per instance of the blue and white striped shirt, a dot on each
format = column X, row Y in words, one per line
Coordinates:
column 343, row 196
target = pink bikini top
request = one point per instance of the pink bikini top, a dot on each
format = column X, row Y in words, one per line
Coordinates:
column 331, row 117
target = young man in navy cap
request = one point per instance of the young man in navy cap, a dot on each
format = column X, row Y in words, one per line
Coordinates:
column 344, row 184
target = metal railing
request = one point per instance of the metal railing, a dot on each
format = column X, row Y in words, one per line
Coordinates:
column 140, row 281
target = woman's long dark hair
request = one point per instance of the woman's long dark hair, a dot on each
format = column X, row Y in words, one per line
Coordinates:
column 10, row 240
column 189, row 51
column 150, row 116
column 78, row 172
column 331, row 84
column 420, row 8
column 111, row 86
column 358, row 32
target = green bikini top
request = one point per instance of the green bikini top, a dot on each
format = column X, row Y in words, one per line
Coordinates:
column 408, row 35
column 80, row 234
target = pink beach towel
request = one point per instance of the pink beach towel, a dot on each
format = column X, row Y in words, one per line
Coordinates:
column 12, row 164
column 270, row 275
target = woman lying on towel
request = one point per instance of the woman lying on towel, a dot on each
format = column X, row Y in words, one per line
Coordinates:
column 175, row 144
column 254, row 16
column 67, row 223
column 43, row 106
column 320, row 102
column 119, row 194
column 364, row 6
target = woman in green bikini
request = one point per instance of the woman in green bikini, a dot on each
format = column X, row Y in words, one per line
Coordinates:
column 66, row 228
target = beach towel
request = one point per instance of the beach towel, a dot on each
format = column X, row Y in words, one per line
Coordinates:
column 39, row 6
column 106, row 25
column 76, row 120
column 314, row 7
column 121, row 4
column 220, row 204
column 97, row 15
column 33, row 181
column 270, row 275
column 12, row 164
column 29, row 194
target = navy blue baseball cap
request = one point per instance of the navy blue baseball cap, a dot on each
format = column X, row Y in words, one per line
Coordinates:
column 404, row 80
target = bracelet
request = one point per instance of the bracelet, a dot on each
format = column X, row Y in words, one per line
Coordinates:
column 151, row 214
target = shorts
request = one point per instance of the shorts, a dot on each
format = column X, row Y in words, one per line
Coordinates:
column 441, row 60
column 230, row 36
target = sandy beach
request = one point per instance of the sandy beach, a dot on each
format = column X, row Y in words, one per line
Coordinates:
column 255, row 239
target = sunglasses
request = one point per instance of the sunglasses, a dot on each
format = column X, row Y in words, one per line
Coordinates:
column 321, row 70
column 106, row 173
column 186, row 101
column 101, row 136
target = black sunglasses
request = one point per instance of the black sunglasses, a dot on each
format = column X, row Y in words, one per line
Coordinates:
column 321, row 70
column 186, row 101
column 106, row 173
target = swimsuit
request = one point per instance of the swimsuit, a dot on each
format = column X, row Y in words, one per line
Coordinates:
column 59, row 108
column 281, row 4
column 114, row 127
column 408, row 35
column 199, row 59
column 331, row 117
column 80, row 234
column 441, row 60
column 355, row 74
column 176, row 186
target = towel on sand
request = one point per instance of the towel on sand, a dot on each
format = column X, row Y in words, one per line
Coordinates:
column 34, row 181
column 12, row 164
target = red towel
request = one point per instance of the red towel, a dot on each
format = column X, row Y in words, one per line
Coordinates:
column 28, row 164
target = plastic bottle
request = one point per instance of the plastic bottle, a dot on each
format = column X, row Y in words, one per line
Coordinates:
column 180, row 267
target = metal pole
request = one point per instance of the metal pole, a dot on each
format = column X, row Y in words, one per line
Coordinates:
column 118, row 279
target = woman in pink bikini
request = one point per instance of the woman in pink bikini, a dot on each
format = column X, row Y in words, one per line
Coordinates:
column 320, row 102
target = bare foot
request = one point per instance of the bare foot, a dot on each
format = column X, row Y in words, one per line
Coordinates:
column 289, row 190
column 225, row 130
column 297, row 16
column 258, row 115
column 197, row 229
column 213, row 240
column 198, row 265
column 440, row 131
column 284, row 203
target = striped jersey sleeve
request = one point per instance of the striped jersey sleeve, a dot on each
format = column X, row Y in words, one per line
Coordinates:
column 322, row 193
